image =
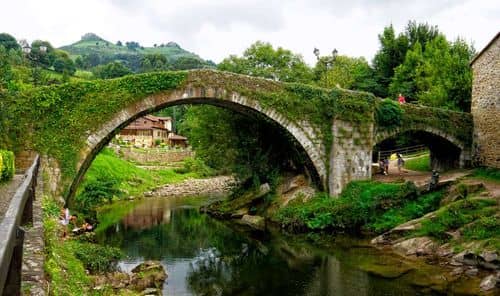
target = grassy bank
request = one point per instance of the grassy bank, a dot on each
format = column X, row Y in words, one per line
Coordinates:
column 111, row 178
column 420, row 163
column 364, row 205
column 69, row 260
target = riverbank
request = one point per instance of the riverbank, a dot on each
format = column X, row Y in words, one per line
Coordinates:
column 457, row 227
column 76, row 264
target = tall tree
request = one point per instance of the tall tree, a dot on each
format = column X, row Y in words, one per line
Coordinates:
column 390, row 55
column 8, row 42
column 438, row 76
column 111, row 70
column 42, row 53
column 346, row 72
column 262, row 60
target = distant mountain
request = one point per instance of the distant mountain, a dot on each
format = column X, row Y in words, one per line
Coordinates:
column 130, row 52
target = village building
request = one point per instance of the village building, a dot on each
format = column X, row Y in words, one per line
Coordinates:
column 485, row 107
column 151, row 131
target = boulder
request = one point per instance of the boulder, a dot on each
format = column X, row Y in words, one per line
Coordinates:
column 472, row 272
column 465, row 257
column 419, row 246
column 460, row 191
column 149, row 274
column 255, row 222
column 293, row 183
column 239, row 213
column 488, row 283
column 489, row 260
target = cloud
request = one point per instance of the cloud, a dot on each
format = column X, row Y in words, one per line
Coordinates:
column 189, row 17
column 216, row 28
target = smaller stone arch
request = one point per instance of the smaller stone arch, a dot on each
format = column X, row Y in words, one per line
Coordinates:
column 446, row 150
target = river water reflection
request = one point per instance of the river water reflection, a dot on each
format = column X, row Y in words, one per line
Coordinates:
column 204, row 256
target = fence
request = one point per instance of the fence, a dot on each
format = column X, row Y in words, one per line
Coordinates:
column 405, row 151
column 20, row 212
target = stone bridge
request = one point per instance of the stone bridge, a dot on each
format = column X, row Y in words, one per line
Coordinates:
column 337, row 129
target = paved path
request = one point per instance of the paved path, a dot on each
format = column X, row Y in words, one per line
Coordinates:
column 7, row 191
column 419, row 178
column 33, row 277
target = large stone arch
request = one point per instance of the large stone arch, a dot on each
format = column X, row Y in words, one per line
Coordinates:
column 464, row 153
column 302, row 132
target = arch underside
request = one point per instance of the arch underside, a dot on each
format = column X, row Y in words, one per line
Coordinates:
column 446, row 152
column 303, row 136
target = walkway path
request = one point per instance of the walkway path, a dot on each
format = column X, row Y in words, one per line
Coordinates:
column 7, row 191
column 33, row 277
column 419, row 178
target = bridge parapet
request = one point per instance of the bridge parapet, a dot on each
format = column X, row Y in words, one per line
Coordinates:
column 11, row 244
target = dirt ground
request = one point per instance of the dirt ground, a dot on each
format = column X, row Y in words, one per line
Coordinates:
column 422, row 178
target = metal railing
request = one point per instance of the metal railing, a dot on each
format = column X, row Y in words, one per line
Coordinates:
column 405, row 151
column 20, row 212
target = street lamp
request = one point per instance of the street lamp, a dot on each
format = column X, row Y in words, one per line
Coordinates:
column 327, row 62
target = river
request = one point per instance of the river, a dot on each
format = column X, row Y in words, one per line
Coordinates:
column 204, row 256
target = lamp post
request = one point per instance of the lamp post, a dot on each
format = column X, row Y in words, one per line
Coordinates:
column 328, row 62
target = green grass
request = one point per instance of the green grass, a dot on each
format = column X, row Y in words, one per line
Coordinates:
column 491, row 174
column 421, row 163
column 132, row 180
column 457, row 215
column 359, row 204
column 65, row 272
column 410, row 210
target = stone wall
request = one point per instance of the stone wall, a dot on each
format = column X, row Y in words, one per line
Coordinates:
column 350, row 155
column 485, row 106
column 155, row 156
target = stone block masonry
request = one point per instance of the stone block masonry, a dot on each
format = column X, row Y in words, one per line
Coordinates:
column 485, row 106
column 154, row 156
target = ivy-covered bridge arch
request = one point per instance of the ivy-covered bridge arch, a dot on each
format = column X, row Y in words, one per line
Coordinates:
column 208, row 94
column 68, row 124
column 447, row 134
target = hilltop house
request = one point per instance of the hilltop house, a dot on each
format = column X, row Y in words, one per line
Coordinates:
column 150, row 131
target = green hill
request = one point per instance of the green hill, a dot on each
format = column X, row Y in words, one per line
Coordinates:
column 99, row 51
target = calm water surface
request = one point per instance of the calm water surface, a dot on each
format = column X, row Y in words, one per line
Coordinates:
column 204, row 256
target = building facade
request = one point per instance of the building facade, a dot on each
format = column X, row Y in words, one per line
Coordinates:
column 485, row 106
column 147, row 131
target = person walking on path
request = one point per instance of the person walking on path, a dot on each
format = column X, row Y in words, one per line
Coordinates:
column 386, row 166
column 401, row 99
column 401, row 163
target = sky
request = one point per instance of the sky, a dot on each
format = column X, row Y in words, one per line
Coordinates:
column 214, row 29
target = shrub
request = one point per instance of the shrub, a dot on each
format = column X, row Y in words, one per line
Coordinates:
column 388, row 113
column 96, row 258
column 196, row 165
column 95, row 193
column 358, row 205
column 7, row 166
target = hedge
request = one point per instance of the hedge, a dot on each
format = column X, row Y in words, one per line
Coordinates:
column 7, row 167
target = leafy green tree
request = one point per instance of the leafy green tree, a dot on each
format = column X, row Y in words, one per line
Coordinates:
column 438, row 76
column 187, row 63
column 390, row 55
column 421, row 33
column 79, row 62
column 63, row 63
column 6, row 74
column 8, row 42
column 154, row 62
column 393, row 50
column 262, row 60
column 111, row 70
column 42, row 53
column 346, row 72
column 91, row 60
